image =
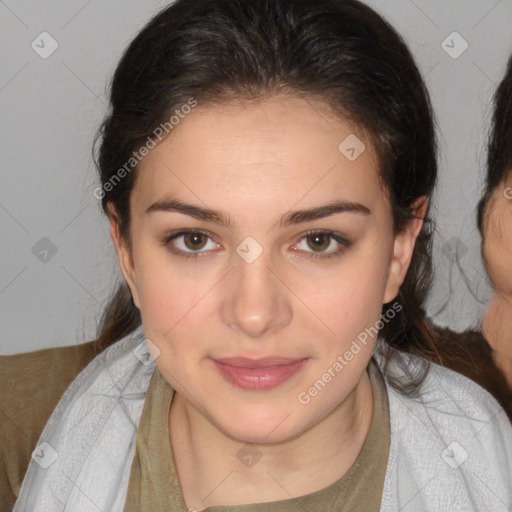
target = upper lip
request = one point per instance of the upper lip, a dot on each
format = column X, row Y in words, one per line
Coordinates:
column 266, row 362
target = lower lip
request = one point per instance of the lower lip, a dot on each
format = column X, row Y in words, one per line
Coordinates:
column 259, row 379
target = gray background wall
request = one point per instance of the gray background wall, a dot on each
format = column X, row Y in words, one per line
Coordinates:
column 57, row 263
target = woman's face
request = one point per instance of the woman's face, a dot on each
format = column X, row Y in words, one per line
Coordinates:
column 497, row 240
column 248, row 183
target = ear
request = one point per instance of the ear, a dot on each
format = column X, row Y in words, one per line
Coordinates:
column 124, row 253
column 403, row 249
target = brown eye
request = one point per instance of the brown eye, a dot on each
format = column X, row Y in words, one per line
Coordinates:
column 189, row 244
column 319, row 241
column 195, row 241
column 322, row 244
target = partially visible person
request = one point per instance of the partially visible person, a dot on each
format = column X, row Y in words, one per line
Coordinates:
column 495, row 225
column 485, row 352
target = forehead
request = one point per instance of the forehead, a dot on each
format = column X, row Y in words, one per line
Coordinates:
column 284, row 146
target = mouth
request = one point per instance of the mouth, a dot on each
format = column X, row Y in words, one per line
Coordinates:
column 260, row 374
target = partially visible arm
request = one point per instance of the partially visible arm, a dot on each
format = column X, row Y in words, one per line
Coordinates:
column 31, row 384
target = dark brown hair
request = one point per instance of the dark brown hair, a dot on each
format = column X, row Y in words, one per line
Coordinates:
column 339, row 51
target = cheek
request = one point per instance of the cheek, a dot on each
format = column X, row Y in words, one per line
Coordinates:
column 167, row 291
column 497, row 245
column 497, row 251
column 350, row 299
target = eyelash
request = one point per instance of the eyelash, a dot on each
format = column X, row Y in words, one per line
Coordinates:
column 344, row 244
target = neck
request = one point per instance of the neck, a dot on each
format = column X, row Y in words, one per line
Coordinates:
column 211, row 474
column 496, row 327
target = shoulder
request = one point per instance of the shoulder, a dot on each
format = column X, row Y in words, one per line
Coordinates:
column 452, row 443
column 107, row 396
column 445, row 394
column 451, row 397
column 39, row 377
column 48, row 357
column 31, row 385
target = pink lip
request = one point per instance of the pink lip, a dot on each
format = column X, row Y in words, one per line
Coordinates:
column 258, row 374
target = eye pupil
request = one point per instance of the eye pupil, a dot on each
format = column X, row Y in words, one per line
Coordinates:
column 195, row 239
column 320, row 241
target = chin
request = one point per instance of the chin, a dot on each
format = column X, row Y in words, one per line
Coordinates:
column 260, row 436
column 245, row 428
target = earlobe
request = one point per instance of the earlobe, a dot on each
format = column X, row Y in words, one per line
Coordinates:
column 124, row 254
column 403, row 249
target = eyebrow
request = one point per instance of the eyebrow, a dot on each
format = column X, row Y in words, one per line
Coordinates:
column 290, row 218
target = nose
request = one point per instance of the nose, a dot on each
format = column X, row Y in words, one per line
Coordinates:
column 256, row 302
